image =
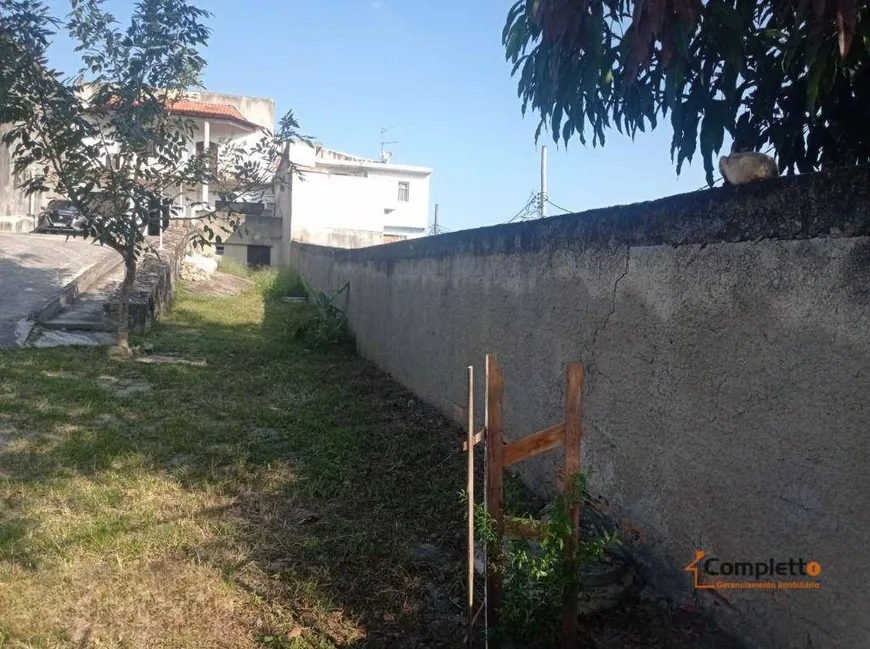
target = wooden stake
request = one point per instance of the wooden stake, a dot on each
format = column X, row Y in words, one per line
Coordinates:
column 470, row 492
column 573, row 439
column 494, row 485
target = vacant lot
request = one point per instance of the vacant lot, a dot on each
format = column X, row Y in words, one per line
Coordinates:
column 231, row 488
column 257, row 494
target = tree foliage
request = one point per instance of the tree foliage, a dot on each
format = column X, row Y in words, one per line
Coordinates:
column 108, row 138
column 25, row 29
column 791, row 75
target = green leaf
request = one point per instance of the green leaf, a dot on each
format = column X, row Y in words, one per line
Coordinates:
column 556, row 122
column 516, row 10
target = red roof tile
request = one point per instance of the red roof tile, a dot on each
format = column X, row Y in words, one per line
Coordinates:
column 202, row 109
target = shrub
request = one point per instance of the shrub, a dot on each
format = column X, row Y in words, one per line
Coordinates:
column 328, row 327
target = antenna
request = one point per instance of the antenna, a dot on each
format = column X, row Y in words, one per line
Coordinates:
column 386, row 155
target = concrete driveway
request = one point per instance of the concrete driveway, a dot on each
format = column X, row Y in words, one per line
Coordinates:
column 34, row 269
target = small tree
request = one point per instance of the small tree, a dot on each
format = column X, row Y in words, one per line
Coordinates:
column 789, row 76
column 108, row 139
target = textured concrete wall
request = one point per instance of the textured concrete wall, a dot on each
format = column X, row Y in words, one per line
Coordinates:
column 726, row 336
column 338, row 237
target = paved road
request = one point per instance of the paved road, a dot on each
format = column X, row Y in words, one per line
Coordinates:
column 33, row 268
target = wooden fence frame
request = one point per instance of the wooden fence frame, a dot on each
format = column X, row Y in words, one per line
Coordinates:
column 501, row 454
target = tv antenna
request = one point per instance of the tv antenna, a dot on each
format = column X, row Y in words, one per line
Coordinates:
column 386, row 155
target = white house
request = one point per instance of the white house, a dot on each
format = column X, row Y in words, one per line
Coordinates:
column 240, row 121
column 351, row 202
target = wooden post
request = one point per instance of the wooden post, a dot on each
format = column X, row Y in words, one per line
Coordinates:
column 573, row 438
column 494, row 486
column 470, row 492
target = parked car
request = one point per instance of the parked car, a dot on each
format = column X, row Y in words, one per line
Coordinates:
column 60, row 216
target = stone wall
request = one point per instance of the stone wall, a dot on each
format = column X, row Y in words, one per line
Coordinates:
column 155, row 280
column 19, row 224
column 726, row 339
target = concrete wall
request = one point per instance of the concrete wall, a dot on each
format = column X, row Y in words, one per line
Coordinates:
column 237, row 253
column 255, row 231
column 18, row 212
column 338, row 237
column 726, row 339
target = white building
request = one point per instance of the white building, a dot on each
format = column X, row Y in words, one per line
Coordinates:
column 240, row 121
column 351, row 202
column 223, row 119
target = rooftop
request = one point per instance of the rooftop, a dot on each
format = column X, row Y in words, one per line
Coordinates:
column 213, row 111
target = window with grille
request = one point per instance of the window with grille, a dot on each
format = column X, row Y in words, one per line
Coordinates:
column 404, row 192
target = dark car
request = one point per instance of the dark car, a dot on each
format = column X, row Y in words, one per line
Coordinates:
column 61, row 216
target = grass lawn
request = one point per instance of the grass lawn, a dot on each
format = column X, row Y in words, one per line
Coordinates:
column 263, row 495
column 232, row 488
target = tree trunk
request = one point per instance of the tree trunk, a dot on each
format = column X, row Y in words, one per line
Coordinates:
column 124, row 302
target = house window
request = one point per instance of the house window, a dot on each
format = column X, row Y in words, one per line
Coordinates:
column 404, row 192
column 218, row 250
column 212, row 154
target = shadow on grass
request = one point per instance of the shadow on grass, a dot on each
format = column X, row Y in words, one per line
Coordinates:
column 330, row 476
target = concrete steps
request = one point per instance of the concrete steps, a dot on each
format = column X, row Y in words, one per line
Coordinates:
column 85, row 312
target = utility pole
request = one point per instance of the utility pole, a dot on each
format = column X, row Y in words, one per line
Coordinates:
column 543, row 181
column 435, row 224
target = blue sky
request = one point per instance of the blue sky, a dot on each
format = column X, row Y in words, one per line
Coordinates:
column 434, row 70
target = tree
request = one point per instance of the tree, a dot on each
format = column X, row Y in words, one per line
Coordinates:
column 788, row 75
column 25, row 28
column 108, row 139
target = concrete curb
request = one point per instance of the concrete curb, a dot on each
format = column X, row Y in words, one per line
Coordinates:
column 78, row 285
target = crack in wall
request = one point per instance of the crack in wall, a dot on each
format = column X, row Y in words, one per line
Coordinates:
column 612, row 307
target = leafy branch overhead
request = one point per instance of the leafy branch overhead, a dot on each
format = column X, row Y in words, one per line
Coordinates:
column 787, row 75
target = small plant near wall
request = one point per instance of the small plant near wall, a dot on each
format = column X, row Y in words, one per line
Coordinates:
column 329, row 326
column 538, row 572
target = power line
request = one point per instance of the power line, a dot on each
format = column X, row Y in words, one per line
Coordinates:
column 527, row 210
column 531, row 210
column 435, row 229
column 558, row 207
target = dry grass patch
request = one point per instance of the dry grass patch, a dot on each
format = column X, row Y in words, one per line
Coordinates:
column 270, row 497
